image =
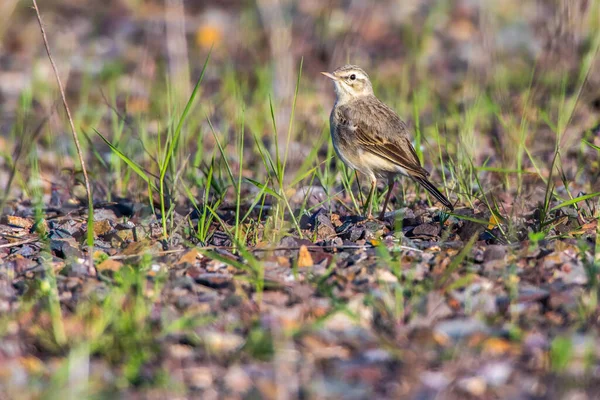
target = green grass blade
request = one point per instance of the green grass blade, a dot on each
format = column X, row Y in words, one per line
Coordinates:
column 264, row 187
column 575, row 201
column 177, row 133
column 132, row 164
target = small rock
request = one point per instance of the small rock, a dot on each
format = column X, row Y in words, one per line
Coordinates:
column 185, row 301
column 469, row 228
column 141, row 247
column 198, row 377
column 237, row 379
column 104, row 214
column 502, row 303
column 126, row 235
column 532, row 294
column 290, row 241
column 219, row 238
column 313, row 195
column 122, row 226
column 333, row 388
column 494, row 252
column 21, row 264
column 351, row 232
column 325, row 228
column 63, row 249
column 180, row 351
column 426, row 230
column 70, row 227
column 377, row 355
column 475, row 386
column 496, row 374
column 374, row 229
column 384, row 275
column 460, row 328
column 26, row 251
column 573, row 273
column 435, row 379
column 535, row 340
column 222, row 342
column 102, row 227
column 409, row 217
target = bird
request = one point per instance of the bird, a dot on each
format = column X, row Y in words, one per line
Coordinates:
column 371, row 138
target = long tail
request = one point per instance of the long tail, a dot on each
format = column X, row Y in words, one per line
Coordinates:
column 433, row 190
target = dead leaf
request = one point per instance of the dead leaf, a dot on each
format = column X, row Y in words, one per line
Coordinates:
column 496, row 346
column 190, row 257
column 109, row 264
column 19, row 221
column 304, row 257
column 102, row 227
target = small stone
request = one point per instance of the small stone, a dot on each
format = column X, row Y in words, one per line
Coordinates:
column 20, row 264
column 426, row 230
column 138, row 248
column 532, row 294
column 377, row 355
column 573, row 274
column 534, row 341
column 496, row 374
column 325, row 229
column 475, row 386
column 312, row 195
column 104, row 214
column 127, row 225
column 125, row 235
column 26, row 251
column 70, row 227
column 374, row 230
column 460, row 328
column 198, row 377
column 180, row 351
column 237, row 379
column 470, row 228
column 63, row 249
column 102, row 227
column 355, row 233
column 435, row 379
column 222, row 342
column 494, row 252
column 384, row 275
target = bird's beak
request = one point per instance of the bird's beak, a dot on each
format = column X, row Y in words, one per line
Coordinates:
column 330, row 76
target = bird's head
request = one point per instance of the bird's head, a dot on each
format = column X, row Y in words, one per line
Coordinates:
column 350, row 82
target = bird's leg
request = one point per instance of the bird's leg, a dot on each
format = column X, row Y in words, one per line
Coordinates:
column 370, row 198
column 360, row 193
column 387, row 197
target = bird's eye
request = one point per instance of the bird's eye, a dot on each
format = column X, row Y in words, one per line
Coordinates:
column 352, row 77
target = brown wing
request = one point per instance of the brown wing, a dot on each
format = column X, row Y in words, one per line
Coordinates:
column 398, row 151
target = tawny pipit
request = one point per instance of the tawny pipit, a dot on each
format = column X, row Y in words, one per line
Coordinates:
column 370, row 137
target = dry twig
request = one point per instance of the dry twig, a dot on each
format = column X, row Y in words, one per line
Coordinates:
column 75, row 138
